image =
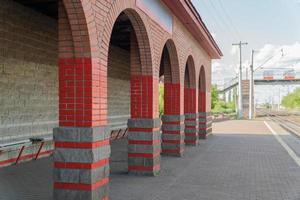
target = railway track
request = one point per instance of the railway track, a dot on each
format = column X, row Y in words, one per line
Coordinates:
column 284, row 121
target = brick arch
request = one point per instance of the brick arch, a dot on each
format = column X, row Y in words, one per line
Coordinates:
column 190, row 105
column 76, row 65
column 202, row 79
column 191, row 75
column 143, row 91
column 75, row 19
column 170, row 63
column 80, row 107
column 202, row 90
column 174, row 70
column 140, row 29
column 172, row 139
column 174, row 62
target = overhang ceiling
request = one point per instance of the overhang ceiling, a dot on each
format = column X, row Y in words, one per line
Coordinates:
column 47, row 7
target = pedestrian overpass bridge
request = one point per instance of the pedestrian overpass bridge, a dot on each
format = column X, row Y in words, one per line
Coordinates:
column 234, row 83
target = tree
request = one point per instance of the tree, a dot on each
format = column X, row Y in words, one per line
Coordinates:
column 292, row 100
column 214, row 96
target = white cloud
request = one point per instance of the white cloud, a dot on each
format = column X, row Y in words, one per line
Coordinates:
column 222, row 73
column 278, row 58
column 279, row 62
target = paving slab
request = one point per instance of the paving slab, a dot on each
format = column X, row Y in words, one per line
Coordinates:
column 250, row 165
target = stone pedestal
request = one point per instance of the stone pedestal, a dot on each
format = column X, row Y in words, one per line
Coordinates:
column 205, row 124
column 81, row 163
column 144, row 146
column 191, row 129
column 173, row 135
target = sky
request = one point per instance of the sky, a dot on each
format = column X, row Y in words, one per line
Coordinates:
column 270, row 27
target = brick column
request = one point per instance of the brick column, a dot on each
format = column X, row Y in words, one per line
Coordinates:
column 81, row 163
column 173, row 122
column 173, row 135
column 144, row 126
column 205, row 118
column 82, row 148
column 191, row 129
column 205, row 124
column 191, row 117
column 144, row 146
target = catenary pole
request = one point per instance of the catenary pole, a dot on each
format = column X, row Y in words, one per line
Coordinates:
column 251, row 95
column 240, row 97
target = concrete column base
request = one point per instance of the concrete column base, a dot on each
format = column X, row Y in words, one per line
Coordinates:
column 144, row 146
column 81, row 163
column 205, row 124
column 173, row 135
column 191, row 129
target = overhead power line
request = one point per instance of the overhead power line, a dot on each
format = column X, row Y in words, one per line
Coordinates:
column 224, row 22
column 268, row 59
column 219, row 25
column 229, row 19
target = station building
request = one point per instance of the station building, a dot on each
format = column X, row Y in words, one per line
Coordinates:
column 84, row 71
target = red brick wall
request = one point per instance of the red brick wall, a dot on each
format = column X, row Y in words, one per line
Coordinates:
column 151, row 39
column 83, row 56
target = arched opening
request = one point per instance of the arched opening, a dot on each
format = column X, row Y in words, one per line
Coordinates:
column 202, row 105
column 130, row 98
column 191, row 117
column 169, row 102
column 202, row 91
column 118, row 91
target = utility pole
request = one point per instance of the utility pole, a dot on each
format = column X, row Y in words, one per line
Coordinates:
column 251, row 95
column 240, row 97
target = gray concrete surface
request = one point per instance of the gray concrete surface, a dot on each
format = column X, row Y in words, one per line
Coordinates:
column 226, row 166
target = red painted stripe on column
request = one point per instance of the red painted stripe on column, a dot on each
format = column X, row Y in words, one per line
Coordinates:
column 174, row 122
column 190, row 119
column 173, row 141
column 81, row 145
column 144, row 155
column 191, row 126
column 145, row 142
column 172, row 151
column 72, row 165
column 144, row 168
column 80, row 186
column 191, row 134
column 173, row 132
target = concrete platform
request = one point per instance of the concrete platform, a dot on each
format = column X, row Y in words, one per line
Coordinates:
column 242, row 160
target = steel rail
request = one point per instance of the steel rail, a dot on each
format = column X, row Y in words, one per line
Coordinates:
column 288, row 124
